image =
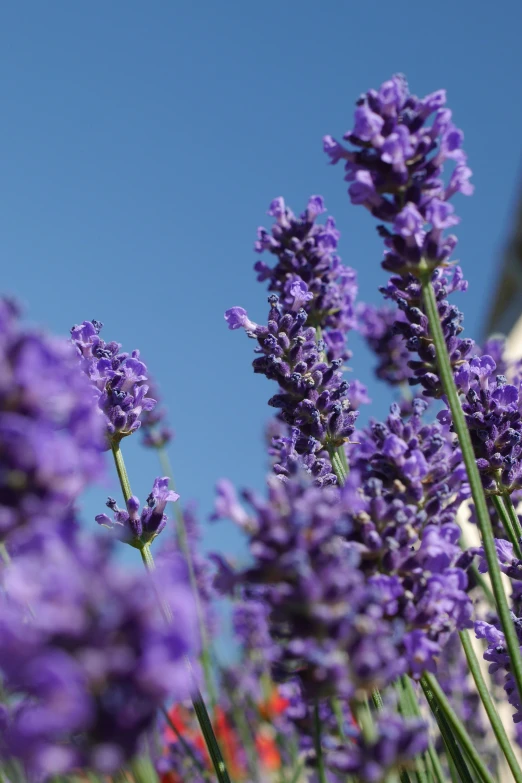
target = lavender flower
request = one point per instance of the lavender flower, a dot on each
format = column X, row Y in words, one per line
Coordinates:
column 308, row 273
column 313, row 395
column 51, row 435
column 499, row 661
column 119, row 379
column 492, row 409
column 92, row 660
column 413, row 325
column 405, row 486
column 135, row 528
column 395, row 171
column 328, row 622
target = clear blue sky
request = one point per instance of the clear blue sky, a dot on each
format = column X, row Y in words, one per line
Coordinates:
column 142, row 143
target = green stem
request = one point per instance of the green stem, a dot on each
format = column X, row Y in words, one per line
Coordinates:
column 337, row 711
column 338, row 463
column 483, row 520
column 318, row 745
column 377, row 700
column 504, row 517
column 453, row 751
column 489, row 706
column 206, row 662
column 438, row 772
column 186, row 747
column 121, row 470
column 514, row 517
column 411, row 708
column 429, row 682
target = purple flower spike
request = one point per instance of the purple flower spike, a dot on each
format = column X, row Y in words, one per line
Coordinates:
column 403, row 159
column 119, row 380
column 308, row 273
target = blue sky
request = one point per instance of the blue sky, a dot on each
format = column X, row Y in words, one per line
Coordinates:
column 141, row 146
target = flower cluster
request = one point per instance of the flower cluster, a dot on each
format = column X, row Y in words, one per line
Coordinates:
column 51, row 433
column 120, row 379
column 328, row 621
column 395, row 169
column 492, row 408
column 406, row 484
column 308, row 273
column 94, row 662
column 498, row 658
column 313, row 396
column 413, row 326
column 137, row 528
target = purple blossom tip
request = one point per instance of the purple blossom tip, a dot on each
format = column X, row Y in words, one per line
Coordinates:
column 237, row 318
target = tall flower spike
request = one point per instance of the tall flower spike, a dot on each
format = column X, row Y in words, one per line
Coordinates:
column 395, row 168
column 120, row 379
column 313, row 396
column 51, row 433
column 308, row 273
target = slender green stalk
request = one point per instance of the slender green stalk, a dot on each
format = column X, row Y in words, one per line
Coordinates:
column 186, row 747
column 489, row 706
column 517, row 527
column 453, row 751
column 246, row 735
column 429, row 682
column 143, row 770
column 181, row 530
column 121, row 469
column 337, row 711
column 452, row 770
column 459, row 423
column 504, row 517
column 148, row 560
column 377, row 700
column 410, row 707
column 318, row 745
column 436, row 766
column 337, row 461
